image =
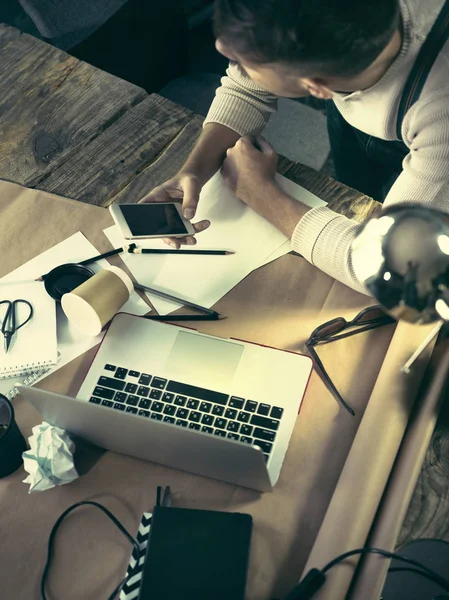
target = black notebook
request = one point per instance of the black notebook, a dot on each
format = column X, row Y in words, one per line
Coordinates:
column 196, row 555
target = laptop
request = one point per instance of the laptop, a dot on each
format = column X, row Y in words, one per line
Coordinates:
column 218, row 407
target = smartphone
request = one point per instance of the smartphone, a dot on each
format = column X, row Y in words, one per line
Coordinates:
column 152, row 220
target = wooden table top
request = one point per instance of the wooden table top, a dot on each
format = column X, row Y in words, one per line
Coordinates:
column 70, row 129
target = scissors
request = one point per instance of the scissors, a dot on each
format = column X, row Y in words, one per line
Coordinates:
column 9, row 324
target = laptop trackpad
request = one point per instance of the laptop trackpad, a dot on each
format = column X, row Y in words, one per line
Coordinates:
column 199, row 358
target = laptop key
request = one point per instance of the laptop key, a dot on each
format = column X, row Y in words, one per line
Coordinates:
column 132, row 400
column 264, row 434
column 131, row 409
column 171, row 420
column 264, row 422
column 110, row 367
column 157, row 407
column 218, row 410
column 102, row 392
column 205, row 406
column 131, row 388
column 156, row 416
column 207, row 429
column 145, row 403
column 243, row 417
column 143, row 391
column 207, row 420
column 233, row 426
column 220, row 423
column 220, row 432
column 251, row 406
column 264, row 409
column 133, row 374
column 145, row 379
column 144, row 413
column 196, row 426
column 119, row 406
column 193, row 403
column 169, row 409
column 233, row 436
column 95, row 400
column 246, row 429
column 107, row 403
column 276, row 412
column 115, row 384
column 264, row 446
column 236, row 402
column 195, row 416
column 181, row 422
column 230, row 413
column 155, row 394
column 168, row 397
column 159, row 382
column 120, row 397
column 121, row 373
column 245, row 439
column 180, row 400
column 182, row 413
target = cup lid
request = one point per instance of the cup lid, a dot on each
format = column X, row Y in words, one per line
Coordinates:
column 65, row 278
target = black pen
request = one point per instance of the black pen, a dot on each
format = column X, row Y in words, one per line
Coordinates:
column 214, row 317
column 172, row 251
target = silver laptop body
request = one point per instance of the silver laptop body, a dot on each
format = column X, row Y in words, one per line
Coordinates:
column 216, row 407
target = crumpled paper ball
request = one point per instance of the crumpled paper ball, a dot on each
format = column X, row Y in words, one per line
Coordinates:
column 49, row 461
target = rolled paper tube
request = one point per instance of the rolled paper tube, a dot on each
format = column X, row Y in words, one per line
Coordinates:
column 362, row 482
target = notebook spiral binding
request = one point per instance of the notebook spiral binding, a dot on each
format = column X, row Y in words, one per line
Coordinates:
column 33, row 375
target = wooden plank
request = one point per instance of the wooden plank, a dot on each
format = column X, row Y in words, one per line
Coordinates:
column 102, row 168
column 167, row 164
column 51, row 104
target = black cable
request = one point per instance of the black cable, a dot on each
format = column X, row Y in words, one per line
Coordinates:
column 411, row 570
column 316, row 578
column 443, row 582
column 55, row 528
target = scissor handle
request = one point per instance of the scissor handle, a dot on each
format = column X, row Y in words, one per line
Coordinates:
column 9, row 322
column 13, row 308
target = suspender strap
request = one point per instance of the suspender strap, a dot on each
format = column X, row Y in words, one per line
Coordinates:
column 423, row 64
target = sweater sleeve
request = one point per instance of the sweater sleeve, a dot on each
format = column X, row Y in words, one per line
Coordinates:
column 240, row 104
column 324, row 238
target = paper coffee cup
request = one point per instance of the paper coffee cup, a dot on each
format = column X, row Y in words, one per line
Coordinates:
column 93, row 304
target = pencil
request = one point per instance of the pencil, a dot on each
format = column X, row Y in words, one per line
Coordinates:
column 95, row 258
column 168, row 251
column 145, row 288
column 215, row 317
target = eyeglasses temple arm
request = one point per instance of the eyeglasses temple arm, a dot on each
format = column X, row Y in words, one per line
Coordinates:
column 327, row 380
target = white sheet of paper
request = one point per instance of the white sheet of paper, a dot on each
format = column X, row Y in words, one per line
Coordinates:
column 71, row 342
column 234, row 226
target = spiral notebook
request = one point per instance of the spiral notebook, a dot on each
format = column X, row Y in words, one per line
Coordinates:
column 35, row 345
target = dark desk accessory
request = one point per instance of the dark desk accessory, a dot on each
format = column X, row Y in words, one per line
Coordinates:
column 214, row 317
column 66, row 278
column 195, row 554
column 10, row 323
column 172, row 251
column 12, row 442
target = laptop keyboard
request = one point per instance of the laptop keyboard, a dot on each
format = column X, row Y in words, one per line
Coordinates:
column 215, row 413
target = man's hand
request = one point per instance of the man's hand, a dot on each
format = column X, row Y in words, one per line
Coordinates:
column 185, row 187
column 250, row 167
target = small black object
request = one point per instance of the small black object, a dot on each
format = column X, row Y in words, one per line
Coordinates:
column 196, row 554
column 65, row 278
column 10, row 326
column 12, row 442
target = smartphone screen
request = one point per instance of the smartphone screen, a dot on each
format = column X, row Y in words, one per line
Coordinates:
column 153, row 219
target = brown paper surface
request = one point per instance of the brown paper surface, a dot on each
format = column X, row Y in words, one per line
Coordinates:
column 370, row 576
column 278, row 305
column 370, row 461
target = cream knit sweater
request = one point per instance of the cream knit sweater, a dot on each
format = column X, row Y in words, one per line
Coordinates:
column 322, row 236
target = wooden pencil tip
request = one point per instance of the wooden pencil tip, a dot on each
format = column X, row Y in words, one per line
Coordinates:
column 229, row 252
column 221, row 317
column 39, row 278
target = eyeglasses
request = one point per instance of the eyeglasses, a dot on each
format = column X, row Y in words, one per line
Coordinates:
column 368, row 318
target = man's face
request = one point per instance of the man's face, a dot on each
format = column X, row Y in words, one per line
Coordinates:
column 278, row 79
